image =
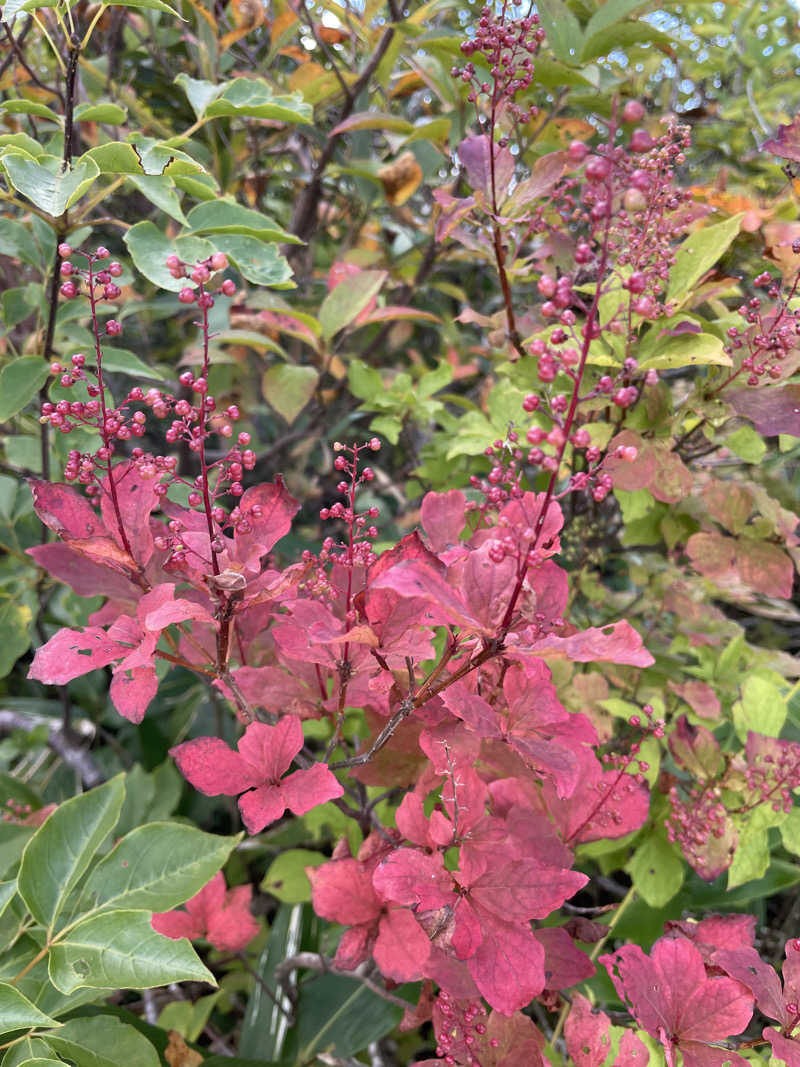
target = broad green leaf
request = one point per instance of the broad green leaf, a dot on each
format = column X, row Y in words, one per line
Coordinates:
column 44, row 182
column 761, row 709
column 28, row 1050
column 103, row 1041
column 288, row 388
column 23, row 141
column 253, row 98
column 104, row 111
column 121, row 950
column 155, row 867
column 7, row 891
column 374, row 120
column 348, row 300
column 153, row 5
column 286, row 878
column 225, row 216
column 17, row 1012
column 656, row 869
column 122, row 361
column 145, row 157
column 20, row 381
column 623, row 36
column 198, row 186
column 13, row 839
column 15, row 637
column 563, row 30
column 747, row 444
column 188, row 1017
column 159, row 189
column 259, row 263
column 687, row 350
column 751, row 859
column 30, row 107
column 365, row 381
column 149, row 248
column 342, row 1016
column 698, row 254
column 790, row 831
column 62, row 848
column 41, row 1061
column 610, row 13
column 199, row 93
column 17, row 243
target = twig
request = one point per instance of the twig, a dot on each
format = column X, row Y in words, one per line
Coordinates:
column 314, row 961
column 66, row 743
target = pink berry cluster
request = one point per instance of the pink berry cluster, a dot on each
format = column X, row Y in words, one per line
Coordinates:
column 201, row 274
column 100, row 284
column 503, row 480
column 460, row 1030
column 768, row 334
column 357, row 550
column 697, row 815
column 507, row 48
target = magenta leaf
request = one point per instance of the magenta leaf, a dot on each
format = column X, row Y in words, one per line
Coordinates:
column 265, row 752
column 786, row 142
column 271, row 520
column 72, row 653
column 476, row 155
column 772, row 411
column 402, row 947
column 63, row 510
column 221, row 917
column 586, row 1034
column 564, row 963
column 672, row 998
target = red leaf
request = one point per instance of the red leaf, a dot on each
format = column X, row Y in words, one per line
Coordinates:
column 63, row 510
column 773, row 411
column 786, row 142
column 765, row 567
column 783, row 1048
column 211, row 767
column 414, row 878
column 616, row 643
column 671, row 997
column 342, row 892
column 402, row 946
column 71, row 653
column 443, row 519
column 712, row 554
column 132, row 689
column 586, row 1034
column 508, row 968
column 136, row 498
column 277, row 509
column 747, row 967
column 564, row 963
column 222, row 918
column 476, row 155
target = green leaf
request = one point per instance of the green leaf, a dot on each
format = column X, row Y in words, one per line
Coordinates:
column 264, row 1029
column 41, row 1061
column 610, row 13
column 188, row 1017
column 149, row 248
column 687, row 350
column 790, row 831
column 15, row 638
column 103, row 1041
column 365, row 381
column 17, row 242
column 751, row 859
column 45, row 184
column 121, row 361
column 747, row 444
column 147, row 156
column 259, row 263
column 286, row 878
column 160, row 190
column 339, row 1015
column 156, row 867
column 20, row 381
column 152, row 5
column 121, row 950
column 253, row 98
column 288, row 388
column 698, row 254
column 225, row 216
column 657, row 869
column 62, row 848
column 17, row 1012
column 199, row 93
column 29, row 1050
column 103, row 111
column 7, row 891
column 23, row 141
column 13, row 839
column 348, row 300
column 623, row 36
column 563, row 30
column 30, row 107
column 762, row 709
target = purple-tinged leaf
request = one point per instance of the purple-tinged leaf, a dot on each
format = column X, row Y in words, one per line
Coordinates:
column 773, row 410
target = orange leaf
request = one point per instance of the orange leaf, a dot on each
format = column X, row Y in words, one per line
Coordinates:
column 401, row 178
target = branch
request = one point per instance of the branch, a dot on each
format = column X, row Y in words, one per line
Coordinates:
column 66, row 743
column 304, row 220
column 314, row 961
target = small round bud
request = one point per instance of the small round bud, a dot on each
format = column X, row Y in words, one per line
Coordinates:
column 228, row 287
column 113, row 328
column 186, row 295
column 64, row 250
column 102, row 252
column 633, row 111
column 219, row 261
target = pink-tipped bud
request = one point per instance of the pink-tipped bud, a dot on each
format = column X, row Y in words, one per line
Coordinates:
column 633, row 111
column 186, row 295
column 64, row 250
column 219, row 261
